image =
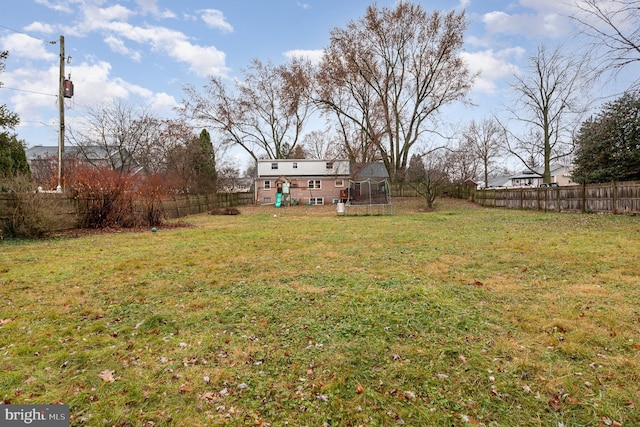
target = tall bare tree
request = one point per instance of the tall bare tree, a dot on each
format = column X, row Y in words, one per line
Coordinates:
column 614, row 27
column 264, row 113
column 484, row 140
column 390, row 72
column 115, row 135
column 318, row 145
column 550, row 103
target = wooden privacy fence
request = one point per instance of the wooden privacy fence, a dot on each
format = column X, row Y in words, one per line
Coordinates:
column 66, row 212
column 613, row 197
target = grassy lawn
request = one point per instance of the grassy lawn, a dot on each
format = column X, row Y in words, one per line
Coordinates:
column 300, row 317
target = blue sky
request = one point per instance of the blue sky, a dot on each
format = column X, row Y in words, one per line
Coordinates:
column 145, row 51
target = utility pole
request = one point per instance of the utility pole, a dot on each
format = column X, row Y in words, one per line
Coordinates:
column 61, row 106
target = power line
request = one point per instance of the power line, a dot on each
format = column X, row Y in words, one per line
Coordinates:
column 28, row 91
column 27, row 34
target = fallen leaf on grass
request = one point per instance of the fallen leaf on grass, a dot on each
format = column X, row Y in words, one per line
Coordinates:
column 359, row 388
column 555, row 403
column 469, row 420
column 629, row 404
column 208, row 396
column 5, row 321
column 462, row 358
column 574, row 401
column 107, row 376
column 606, row 421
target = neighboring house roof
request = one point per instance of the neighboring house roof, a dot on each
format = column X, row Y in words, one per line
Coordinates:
column 89, row 153
column 536, row 173
column 364, row 171
column 39, row 152
column 498, row 181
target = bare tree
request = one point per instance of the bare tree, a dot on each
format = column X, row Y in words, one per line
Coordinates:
column 484, row 140
column 613, row 25
column 427, row 174
column 320, row 144
column 390, row 73
column 550, row 104
column 115, row 135
column 462, row 162
column 264, row 113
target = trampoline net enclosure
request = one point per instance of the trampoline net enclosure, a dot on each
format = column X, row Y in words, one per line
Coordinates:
column 367, row 197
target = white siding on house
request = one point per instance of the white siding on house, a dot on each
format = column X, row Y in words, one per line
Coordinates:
column 302, row 167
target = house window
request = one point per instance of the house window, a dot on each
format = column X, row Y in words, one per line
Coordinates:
column 267, row 185
column 316, row 200
column 267, row 200
column 314, row 183
column 295, row 165
column 339, row 182
column 274, row 166
column 329, row 165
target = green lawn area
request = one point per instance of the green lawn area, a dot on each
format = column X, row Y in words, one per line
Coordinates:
column 300, row 317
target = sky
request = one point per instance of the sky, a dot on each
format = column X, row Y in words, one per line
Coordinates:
column 143, row 52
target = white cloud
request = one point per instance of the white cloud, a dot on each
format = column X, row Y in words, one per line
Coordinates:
column 162, row 103
column 304, row 5
column 202, row 60
column 148, row 6
column 24, row 46
column 543, row 22
column 112, row 13
column 57, row 5
column 315, row 56
column 118, row 46
column 39, row 27
column 215, row 19
column 493, row 66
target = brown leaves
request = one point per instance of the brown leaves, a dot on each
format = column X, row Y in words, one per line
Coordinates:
column 359, row 388
column 556, row 403
column 107, row 376
column 606, row 421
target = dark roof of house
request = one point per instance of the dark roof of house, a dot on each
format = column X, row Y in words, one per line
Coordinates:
column 362, row 171
column 91, row 152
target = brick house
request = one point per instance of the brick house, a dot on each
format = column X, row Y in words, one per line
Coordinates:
column 285, row 182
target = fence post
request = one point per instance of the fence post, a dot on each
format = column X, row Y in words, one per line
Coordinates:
column 614, row 195
column 584, row 197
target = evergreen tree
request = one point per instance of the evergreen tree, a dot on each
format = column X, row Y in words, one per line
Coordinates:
column 8, row 119
column 205, row 163
column 608, row 145
column 13, row 159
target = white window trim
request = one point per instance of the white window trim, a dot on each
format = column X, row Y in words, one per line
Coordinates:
column 313, row 186
column 267, row 184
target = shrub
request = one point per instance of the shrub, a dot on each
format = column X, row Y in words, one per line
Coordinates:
column 30, row 213
column 150, row 193
column 112, row 198
column 104, row 194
